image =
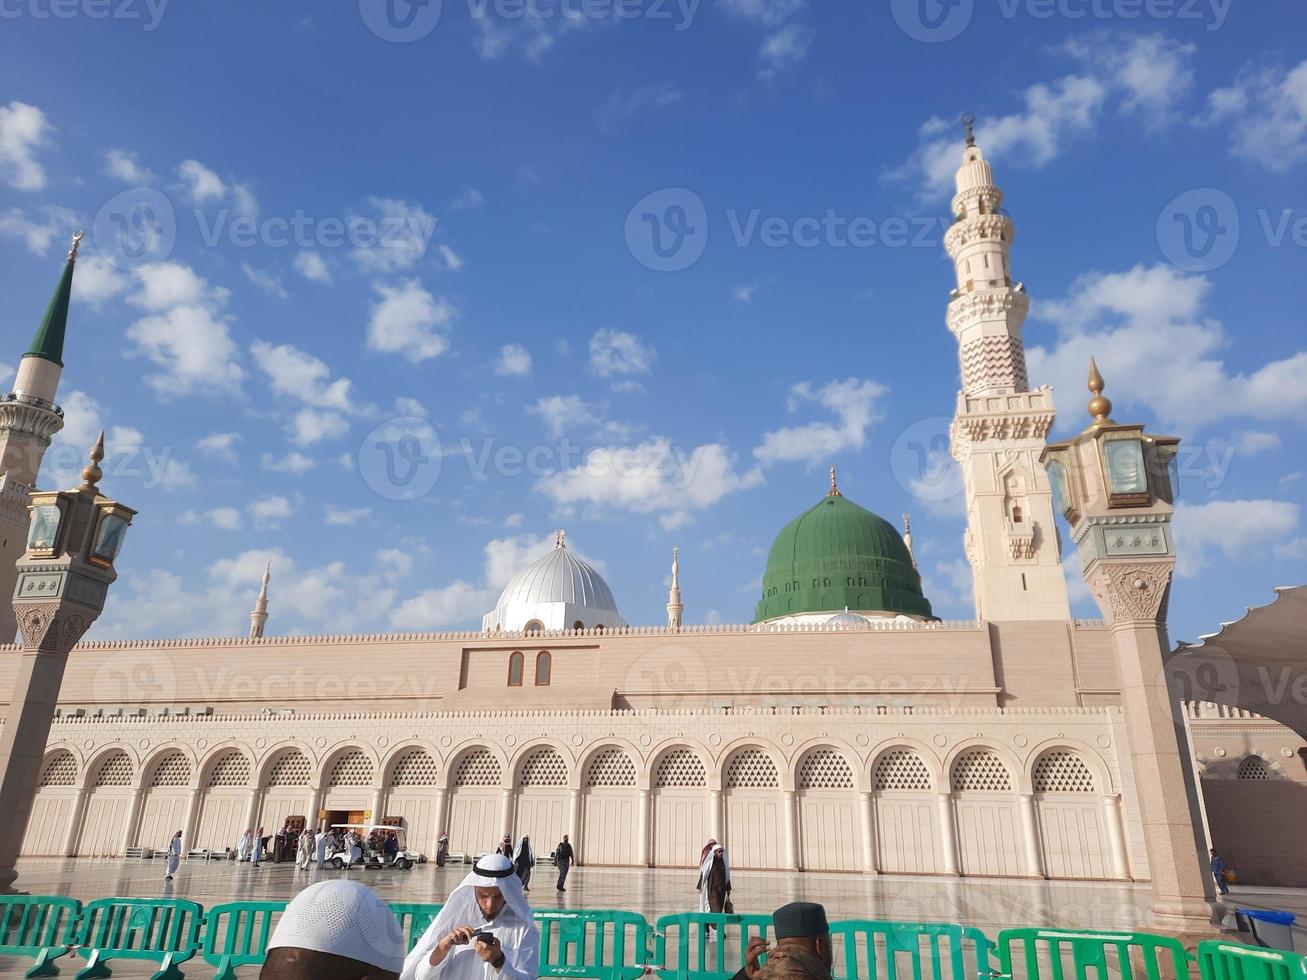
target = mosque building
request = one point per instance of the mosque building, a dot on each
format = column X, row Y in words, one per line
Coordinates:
column 846, row 728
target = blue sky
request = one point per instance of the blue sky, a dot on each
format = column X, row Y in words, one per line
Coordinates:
column 314, row 229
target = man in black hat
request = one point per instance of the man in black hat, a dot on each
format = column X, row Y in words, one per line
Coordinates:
column 803, row 946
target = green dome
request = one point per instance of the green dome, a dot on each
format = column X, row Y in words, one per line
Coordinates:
column 838, row 554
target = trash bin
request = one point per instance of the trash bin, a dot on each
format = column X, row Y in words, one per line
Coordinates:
column 1270, row 928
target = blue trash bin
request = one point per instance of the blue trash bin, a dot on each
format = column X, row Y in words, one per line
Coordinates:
column 1270, row 928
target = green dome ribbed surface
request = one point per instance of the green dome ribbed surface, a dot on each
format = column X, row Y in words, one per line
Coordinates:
column 838, row 554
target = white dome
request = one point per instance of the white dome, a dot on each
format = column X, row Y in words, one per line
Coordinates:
column 557, row 592
column 848, row 621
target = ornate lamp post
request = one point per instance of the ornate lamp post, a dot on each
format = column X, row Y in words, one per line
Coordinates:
column 1113, row 484
column 63, row 579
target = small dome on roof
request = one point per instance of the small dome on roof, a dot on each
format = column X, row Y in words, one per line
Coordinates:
column 849, row 621
column 558, row 591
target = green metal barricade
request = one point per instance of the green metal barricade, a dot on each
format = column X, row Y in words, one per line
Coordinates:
column 43, row 927
column 166, row 930
column 414, row 917
column 705, row 945
column 237, row 934
column 1045, row 954
column 876, row 950
column 600, row 943
column 1221, row 960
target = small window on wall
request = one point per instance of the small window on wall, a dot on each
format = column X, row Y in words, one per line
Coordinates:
column 544, row 668
column 535, row 626
column 515, row 666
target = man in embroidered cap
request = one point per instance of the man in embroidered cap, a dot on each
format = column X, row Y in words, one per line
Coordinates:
column 484, row 932
column 803, row 949
column 335, row 930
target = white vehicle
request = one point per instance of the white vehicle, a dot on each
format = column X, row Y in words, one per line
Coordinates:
column 403, row 859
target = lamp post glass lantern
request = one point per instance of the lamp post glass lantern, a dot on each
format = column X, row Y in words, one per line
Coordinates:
column 73, row 538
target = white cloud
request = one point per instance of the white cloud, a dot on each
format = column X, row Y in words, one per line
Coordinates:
column 562, row 412
column 853, row 403
column 342, row 517
column 653, row 477
column 468, row 199
column 292, row 462
column 403, row 233
column 514, row 361
column 191, row 346
column 221, row 445
column 202, row 184
column 227, row 518
column 310, row 426
column 1138, row 322
column 743, row 293
column 1250, row 443
column 38, row 231
column 409, row 321
column 313, row 267
column 267, row 281
column 125, row 166
column 97, row 280
column 949, row 588
column 453, row 261
column 24, row 129
column 765, row 13
column 1153, row 72
column 614, row 353
column 298, row 374
column 410, row 407
column 625, row 103
column 784, row 49
column 1267, row 112
column 395, row 564
column 270, row 510
column 164, row 285
column 82, row 421
column 458, row 602
column 1238, row 529
column 532, row 37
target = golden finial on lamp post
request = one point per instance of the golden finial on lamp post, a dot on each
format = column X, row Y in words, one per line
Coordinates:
column 834, row 490
column 1100, row 407
column 92, row 473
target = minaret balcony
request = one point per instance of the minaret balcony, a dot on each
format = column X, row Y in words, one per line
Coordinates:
column 974, row 228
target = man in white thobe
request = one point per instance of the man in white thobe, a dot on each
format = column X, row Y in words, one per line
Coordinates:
column 174, row 856
column 456, row 946
column 244, row 844
column 320, row 845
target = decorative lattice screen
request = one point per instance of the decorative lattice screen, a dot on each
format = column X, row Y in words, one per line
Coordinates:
column 116, row 770
column 543, row 767
column 61, row 770
column 980, row 771
column 752, row 769
column 1062, row 771
column 680, row 767
column 901, row 769
column 825, row 769
column 290, row 769
column 233, row 769
column 1253, row 767
column 478, row 768
column 414, row 768
column 351, row 769
column 611, row 767
column 174, row 769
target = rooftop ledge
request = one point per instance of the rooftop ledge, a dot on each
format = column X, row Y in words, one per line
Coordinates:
column 875, row 626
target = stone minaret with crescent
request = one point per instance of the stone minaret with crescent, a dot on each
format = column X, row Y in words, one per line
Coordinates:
column 29, row 418
column 259, row 615
column 1001, row 424
column 674, row 606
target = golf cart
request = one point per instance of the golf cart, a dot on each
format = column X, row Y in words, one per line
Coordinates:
column 372, row 857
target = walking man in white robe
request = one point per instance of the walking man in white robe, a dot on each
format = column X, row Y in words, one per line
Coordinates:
column 304, row 853
column 174, row 856
column 456, row 945
column 320, row 844
column 244, row 845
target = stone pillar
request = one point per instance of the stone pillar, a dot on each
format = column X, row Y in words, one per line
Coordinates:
column 75, row 817
column 191, row 817
column 49, row 632
column 948, row 837
column 574, row 818
column 133, row 817
column 716, row 822
column 252, row 811
column 791, row 803
column 378, row 801
column 645, row 859
column 1030, row 831
column 506, row 822
column 1116, row 836
column 870, row 863
column 442, row 816
column 315, row 809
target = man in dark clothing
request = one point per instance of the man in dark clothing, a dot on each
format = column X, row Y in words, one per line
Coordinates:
column 1218, row 872
column 563, row 859
column 803, row 949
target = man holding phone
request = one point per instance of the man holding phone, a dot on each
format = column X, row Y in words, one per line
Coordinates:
column 484, row 932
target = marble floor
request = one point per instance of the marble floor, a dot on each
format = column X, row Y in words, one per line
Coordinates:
column 991, row 904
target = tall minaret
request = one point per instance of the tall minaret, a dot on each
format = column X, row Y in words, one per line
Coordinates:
column 29, row 418
column 674, row 607
column 259, row 616
column 1001, row 425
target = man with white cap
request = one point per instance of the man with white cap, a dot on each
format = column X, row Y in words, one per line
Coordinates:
column 484, row 932
column 335, row 930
